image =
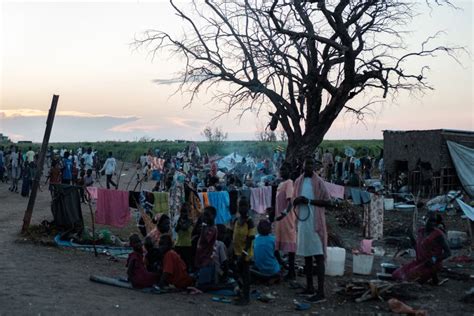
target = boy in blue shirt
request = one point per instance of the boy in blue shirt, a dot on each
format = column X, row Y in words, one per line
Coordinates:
column 264, row 251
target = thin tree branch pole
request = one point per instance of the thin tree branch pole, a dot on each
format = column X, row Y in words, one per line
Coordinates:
column 39, row 167
column 120, row 174
column 89, row 199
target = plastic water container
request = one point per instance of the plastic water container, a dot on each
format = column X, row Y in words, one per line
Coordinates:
column 388, row 204
column 362, row 263
column 456, row 239
column 336, row 259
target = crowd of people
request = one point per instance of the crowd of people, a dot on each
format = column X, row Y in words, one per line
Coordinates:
column 188, row 249
column 16, row 165
column 202, row 254
column 252, row 248
column 65, row 167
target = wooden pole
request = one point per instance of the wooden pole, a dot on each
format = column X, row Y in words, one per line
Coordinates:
column 93, row 222
column 120, row 174
column 39, row 167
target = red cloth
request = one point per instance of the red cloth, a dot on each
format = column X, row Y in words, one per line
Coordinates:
column 422, row 268
column 320, row 193
column 112, row 208
column 175, row 267
column 139, row 276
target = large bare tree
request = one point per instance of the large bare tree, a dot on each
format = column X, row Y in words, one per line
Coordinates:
column 306, row 61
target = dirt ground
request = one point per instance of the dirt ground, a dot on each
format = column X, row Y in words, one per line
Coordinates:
column 38, row 279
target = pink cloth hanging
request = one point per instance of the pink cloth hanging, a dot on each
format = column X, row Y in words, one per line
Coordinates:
column 112, row 208
column 334, row 190
column 366, row 246
column 92, row 192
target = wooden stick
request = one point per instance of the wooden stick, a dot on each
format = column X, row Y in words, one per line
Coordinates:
column 415, row 217
column 39, row 167
column 93, row 222
column 129, row 182
column 120, row 174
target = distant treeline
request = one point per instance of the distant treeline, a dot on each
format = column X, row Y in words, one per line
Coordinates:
column 131, row 150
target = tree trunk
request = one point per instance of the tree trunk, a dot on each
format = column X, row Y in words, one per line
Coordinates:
column 300, row 147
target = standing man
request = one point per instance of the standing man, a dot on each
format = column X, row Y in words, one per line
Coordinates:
column 2, row 164
column 67, row 169
column 30, row 155
column 15, row 165
column 49, row 156
column 88, row 159
column 328, row 163
column 310, row 197
column 109, row 167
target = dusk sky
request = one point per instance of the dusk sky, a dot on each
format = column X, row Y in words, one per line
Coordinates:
column 81, row 51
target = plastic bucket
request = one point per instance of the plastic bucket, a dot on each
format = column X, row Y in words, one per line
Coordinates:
column 336, row 259
column 362, row 264
column 388, row 204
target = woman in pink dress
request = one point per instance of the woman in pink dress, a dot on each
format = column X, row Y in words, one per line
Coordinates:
column 285, row 228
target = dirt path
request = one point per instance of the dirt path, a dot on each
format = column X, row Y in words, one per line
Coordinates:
column 46, row 280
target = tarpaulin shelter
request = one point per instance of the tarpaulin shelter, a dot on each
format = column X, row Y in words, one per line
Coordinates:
column 463, row 160
column 228, row 162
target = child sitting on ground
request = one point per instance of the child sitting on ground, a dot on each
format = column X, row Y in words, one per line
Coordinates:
column 183, row 229
column 174, row 269
column 136, row 271
column 266, row 263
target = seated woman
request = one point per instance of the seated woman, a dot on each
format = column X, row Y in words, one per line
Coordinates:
column 266, row 265
column 184, row 229
column 136, row 271
column 203, row 260
column 431, row 249
column 153, row 257
column 174, row 269
column 163, row 226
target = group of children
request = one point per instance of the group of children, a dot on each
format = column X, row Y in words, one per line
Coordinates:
column 205, row 255
column 64, row 171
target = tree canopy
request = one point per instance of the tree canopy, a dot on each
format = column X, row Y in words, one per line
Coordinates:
column 305, row 61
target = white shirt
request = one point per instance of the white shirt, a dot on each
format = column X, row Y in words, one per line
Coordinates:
column 30, row 156
column 14, row 159
column 88, row 160
column 109, row 166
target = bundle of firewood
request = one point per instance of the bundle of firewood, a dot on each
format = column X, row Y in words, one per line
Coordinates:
column 364, row 290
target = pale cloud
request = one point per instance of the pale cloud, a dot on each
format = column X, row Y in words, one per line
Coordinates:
column 185, row 122
column 10, row 113
column 135, row 126
column 16, row 137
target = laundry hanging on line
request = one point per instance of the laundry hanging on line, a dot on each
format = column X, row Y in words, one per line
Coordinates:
column 112, row 208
